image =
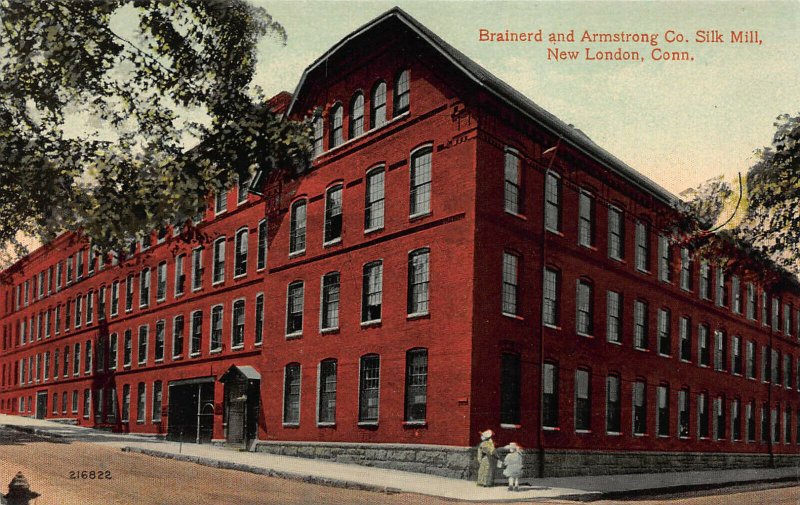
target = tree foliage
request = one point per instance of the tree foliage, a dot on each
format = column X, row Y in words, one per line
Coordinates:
column 100, row 101
column 766, row 224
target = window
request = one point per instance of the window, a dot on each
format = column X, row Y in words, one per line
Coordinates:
column 220, row 201
column 297, row 228
column 378, row 104
column 87, row 402
column 552, row 202
column 736, row 355
column 197, row 333
column 291, row 394
column 642, row 246
column 69, row 274
column 586, row 219
column 703, row 347
column 58, row 320
column 510, row 378
column 140, row 403
column 79, row 264
column 751, row 301
column 719, row 418
column 144, row 288
column 420, row 188
column 736, row 291
column 55, row 404
column 237, row 326
column 683, row 413
column 510, row 287
column 327, row 392
column 787, row 425
column 750, row 419
column 616, row 233
column 751, row 360
column 101, row 303
column 75, row 401
column 776, row 307
column 76, row 360
column 551, row 296
column 180, row 275
column 702, row 415
column 142, row 344
column 720, row 350
column 613, row 406
column 787, row 319
column 294, row 308
column 584, row 300
column 372, row 292
column 160, row 330
column 736, row 420
column 664, row 259
column 774, row 365
column 705, row 280
column 640, row 407
column 157, row 402
column 177, row 336
column 686, row 270
column 401, row 93
column 664, row 332
column 333, row 214
column 722, row 291
column 686, row 338
column 330, row 301
column 127, row 350
column 59, row 276
column 240, row 257
column 318, row 135
column 582, row 401
column 787, row 371
column 640, row 325
column 129, row 293
column 112, row 351
column 369, row 389
column 662, row 398
column 161, row 281
column 197, row 268
column 242, row 186
column 774, row 424
column 261, row 259
column 101, row 353
column 216, row 328
column 374, row 200
column 259, row 333
column 416, row 385
column 764, row 428
column 512, row 182
column 357, row 115
column 78, row 315
column 764, row 308
column 218, row 267
column 765, row 370
column 550, row 396
column 614, row 317
column 335, row 129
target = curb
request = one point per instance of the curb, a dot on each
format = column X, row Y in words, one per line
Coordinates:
column 682, row 488
column 227, row 465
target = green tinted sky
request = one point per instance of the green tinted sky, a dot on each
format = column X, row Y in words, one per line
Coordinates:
column 678, row 123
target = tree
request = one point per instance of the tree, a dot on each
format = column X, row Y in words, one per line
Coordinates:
column 766, row 222
column 179, row 76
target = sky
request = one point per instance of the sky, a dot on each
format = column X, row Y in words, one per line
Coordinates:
column 677, row 122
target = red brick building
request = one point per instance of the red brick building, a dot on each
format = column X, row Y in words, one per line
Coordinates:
column 455, row 259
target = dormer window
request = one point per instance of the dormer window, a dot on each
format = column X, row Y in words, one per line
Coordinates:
column 401, row 93
column 337, row 135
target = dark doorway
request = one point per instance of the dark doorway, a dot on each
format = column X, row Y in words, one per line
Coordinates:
column 242, row 404
column 191, row 411
column 41, row 404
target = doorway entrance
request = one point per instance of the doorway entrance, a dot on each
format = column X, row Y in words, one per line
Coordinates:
column 242, row 404
column 190, row 416
column 41, row 404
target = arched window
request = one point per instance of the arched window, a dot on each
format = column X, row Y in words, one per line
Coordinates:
column 297, row 227
column 336, row 119
column 378, row 112
column 416, row 385
column 319, row 129
column 333, row 214
column 357, row 115
column 401, row 93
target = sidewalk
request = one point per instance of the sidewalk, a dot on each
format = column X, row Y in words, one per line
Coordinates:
column 381, row 480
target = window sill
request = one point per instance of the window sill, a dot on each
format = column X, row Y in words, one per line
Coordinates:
column 326, row 425
column 642, row 435
column 368, row 324
column 161, row 300
column 195, row 290
column 194, row 355
column 419, row 215
column 418, row 315
column 217, row 283
column 296, row 254
column 615, row 342
column 142, row 363
column 641, row 349
column 583, row 432
column 415, row 424
column 614, row 433
column 160, row 360
column 237, row 347
column 551, row 326
column 329, row 331
column 510, row 426
column 258, row 344
column 215, row 351
column 368, row 424
column 513, row 316
column 239, row 276
column 590, row 247
column 515, row 214
column 665, row 355
column 292, row 336
column 558, row 233
column 584, row 335
column 551, row 428
column 333, row 242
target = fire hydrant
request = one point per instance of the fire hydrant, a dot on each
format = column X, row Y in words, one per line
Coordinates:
column 19, row 491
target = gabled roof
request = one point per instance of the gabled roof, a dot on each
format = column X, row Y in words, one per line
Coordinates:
column 495, row 86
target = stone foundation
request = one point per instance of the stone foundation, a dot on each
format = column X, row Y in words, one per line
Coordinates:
column 460, row 463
